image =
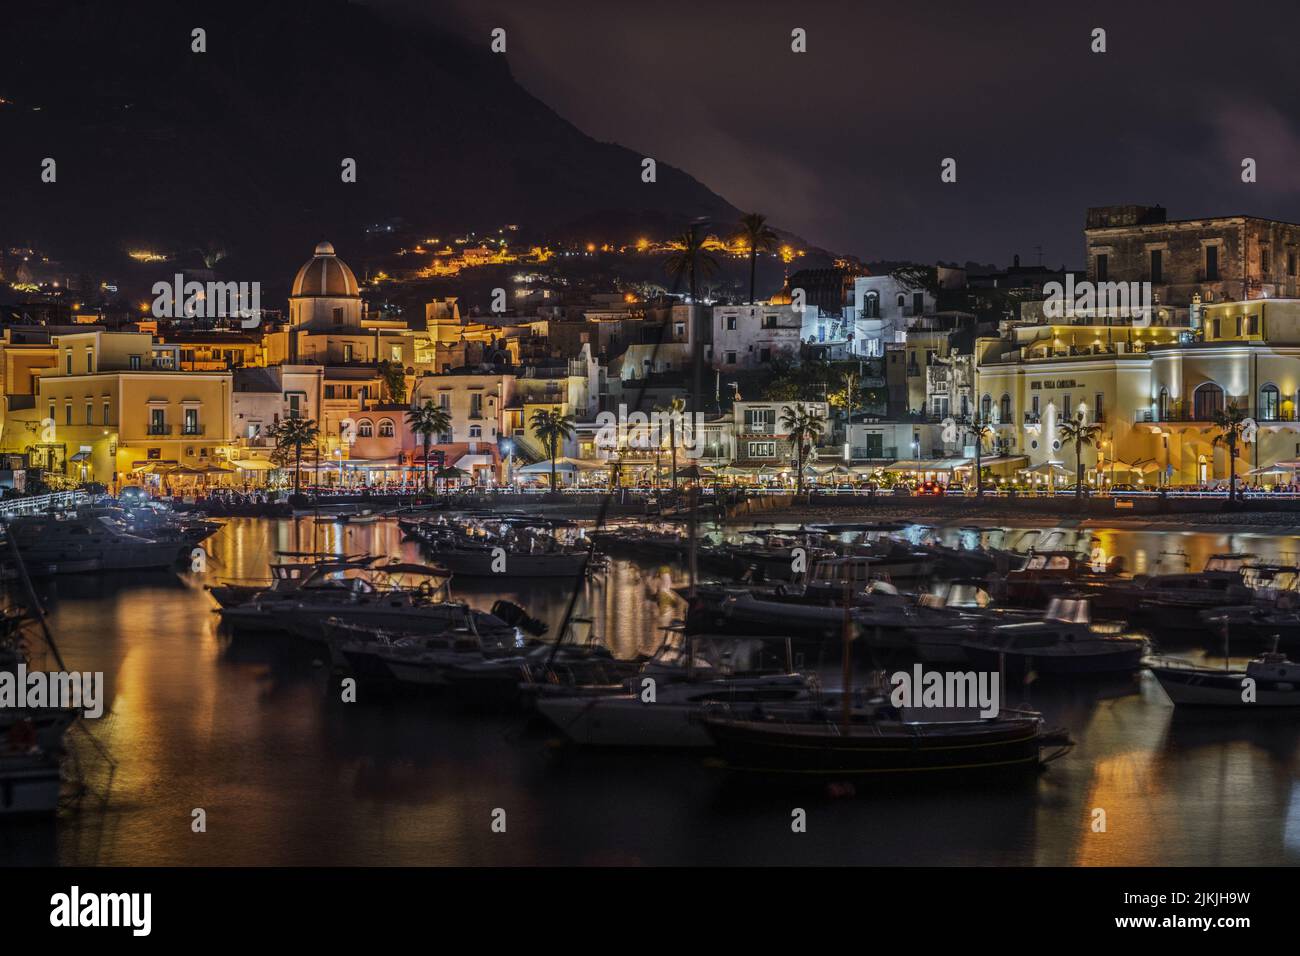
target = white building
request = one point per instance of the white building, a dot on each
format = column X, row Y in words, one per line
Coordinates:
column 750, row 336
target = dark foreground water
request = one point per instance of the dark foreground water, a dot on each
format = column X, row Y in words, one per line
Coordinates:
column 254, row 733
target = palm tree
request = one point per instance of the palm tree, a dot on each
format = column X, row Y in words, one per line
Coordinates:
column 552, row 427
column 756, row 233
column 979, row 430
column 295, row 433
column 674, row 409
column 805, row 430
column 692, row 261
column 1075, row 431
column 1231, row 423
column 426, row 421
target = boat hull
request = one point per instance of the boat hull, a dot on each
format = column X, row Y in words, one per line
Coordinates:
column 1200, row 687
column 792, row 751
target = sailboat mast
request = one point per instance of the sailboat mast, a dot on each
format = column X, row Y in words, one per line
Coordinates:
column 846, row 710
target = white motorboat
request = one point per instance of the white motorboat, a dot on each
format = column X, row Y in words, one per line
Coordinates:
column 1268, row 681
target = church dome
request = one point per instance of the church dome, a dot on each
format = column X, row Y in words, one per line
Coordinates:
column 325, row 274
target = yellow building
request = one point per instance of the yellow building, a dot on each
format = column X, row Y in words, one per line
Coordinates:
column 116, row 407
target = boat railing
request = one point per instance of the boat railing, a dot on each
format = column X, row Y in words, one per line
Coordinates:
column 39, row 504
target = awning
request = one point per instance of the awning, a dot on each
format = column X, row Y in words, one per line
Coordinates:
column 929, row 464
column 470, row 462
column 80, row 456
column 254, row 464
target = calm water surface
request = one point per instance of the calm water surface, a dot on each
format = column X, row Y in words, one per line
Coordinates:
column 254, row 732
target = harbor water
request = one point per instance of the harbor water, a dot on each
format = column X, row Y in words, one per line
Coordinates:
column 254, row 732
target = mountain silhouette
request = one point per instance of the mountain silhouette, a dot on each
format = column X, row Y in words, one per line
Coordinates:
column 241, row 147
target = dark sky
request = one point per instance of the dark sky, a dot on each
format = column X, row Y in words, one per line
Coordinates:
column 843, row 144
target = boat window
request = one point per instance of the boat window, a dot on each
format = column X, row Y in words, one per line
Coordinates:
column 1059, row 563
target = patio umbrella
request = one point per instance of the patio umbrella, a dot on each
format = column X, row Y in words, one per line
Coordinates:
column 1269, row 470
column 255, row 464
column 450, row 471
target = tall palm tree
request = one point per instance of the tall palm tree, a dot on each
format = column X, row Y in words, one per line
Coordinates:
column 805, row 430
column 756, row 233
column 295, row 433
column 426, row 421
column 979, row 430
column 552, row 427
column 1075, row 431
column 692, row 262
column 1231, row 423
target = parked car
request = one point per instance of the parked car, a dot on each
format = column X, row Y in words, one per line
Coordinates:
column 902, row 489
column 929, row 488
column 955, row 488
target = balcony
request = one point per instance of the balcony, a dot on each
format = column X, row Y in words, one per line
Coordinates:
column 192, row 428
column 157, row 428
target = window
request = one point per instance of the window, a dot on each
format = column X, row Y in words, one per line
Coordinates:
column 1269, row 403
column 476, row 406
column 760, row 420
column 365, row 428
column 191, row 423
column 765, row 355
column 762, row 449
column 53, row 411
column 1098, row 408
column 90, row 360
column 90, row 412
column 769, row 321
column 395, row 353
column 1005, row 415
column 107, row 417
column 1290, row 263
column 1162, row 404
column 918, row 303
column 67, row 362
column 871, row 306
column 986, row 408
column 295, row 406
column 67, row 414
column 1265, row 261
column 1252, row 325
column 347, row 353
column 1034, row 403
column 902, row 300
column 1157, row 266
column 134, row 362
column 1217, row 328
column 338, row 316
column 1211, row 263
column 731, row 323
column 1103, row 266
column 444, row 402
column 731, row 358
column 1207, row 402
column 386, row 428
column 475, row 431
column 157, row 421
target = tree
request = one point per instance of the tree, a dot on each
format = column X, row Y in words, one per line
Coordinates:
column 805, row 430
column 552, row 427
column 394, row 377
column 846, row 396
column 979, row 430
column 691, row 262
column 1231, row 423
column 295, row 433
column 1075, row 431
column 756, row 234
column 426, row 421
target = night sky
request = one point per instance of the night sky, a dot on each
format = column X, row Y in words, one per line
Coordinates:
column 843, row 144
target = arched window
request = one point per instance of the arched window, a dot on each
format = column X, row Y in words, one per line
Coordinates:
column 986, row 408
column 365, row 428
column 871, row 305
column 1207, row 402
column 1005, row 410
column 1270, row 403
column 386, row 428
column 902, row 300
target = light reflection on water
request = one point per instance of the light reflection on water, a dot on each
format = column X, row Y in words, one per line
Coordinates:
column 253, row 732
